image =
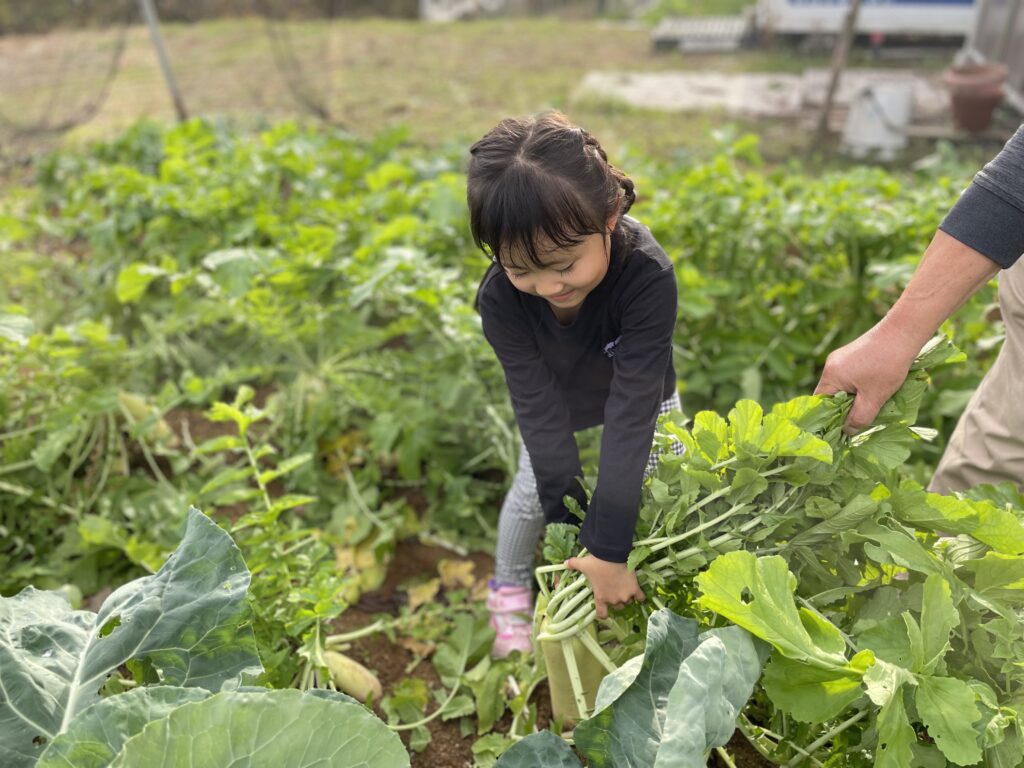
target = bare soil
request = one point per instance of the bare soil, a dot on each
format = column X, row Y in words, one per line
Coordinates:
column 412, row 560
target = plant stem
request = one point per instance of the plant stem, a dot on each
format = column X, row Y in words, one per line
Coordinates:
column 431, row 716
column 256, row 470
column 819, row 743
column 370, row 629
column 360, row 502
column 725, row 757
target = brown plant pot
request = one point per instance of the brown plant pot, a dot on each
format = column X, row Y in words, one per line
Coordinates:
column 975, row 90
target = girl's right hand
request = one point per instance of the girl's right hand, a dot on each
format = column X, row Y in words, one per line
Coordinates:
column 613, row 583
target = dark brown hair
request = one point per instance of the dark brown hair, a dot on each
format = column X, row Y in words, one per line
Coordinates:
column 541, row 176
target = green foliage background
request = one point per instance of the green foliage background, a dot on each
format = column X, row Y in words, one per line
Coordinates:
column 336, row 276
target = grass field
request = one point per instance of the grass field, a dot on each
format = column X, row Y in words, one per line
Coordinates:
column 448, row 83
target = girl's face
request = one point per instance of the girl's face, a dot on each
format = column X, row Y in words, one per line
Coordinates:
column 569, row 274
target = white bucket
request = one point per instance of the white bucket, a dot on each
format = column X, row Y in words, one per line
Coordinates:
column 878, row 119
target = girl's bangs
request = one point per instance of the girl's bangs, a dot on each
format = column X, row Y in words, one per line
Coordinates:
column 523, row 212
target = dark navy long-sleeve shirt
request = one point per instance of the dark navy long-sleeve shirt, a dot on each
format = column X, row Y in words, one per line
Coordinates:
column 989, row 216
column 612, row 365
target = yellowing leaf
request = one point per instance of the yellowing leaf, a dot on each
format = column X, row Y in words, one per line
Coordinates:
column 424, row 593
column 456, row 574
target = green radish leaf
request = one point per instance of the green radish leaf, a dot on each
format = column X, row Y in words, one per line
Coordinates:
column 890, row 641
column 490, row 697
column 947, row 707
column 222, row 443
column 839, row 520
column 939, row 617
column 226, row 477
column 561, row 541
column 636, row 556
column 999, row 575
column 812, row 694
column 290, row 501
column 288, row 465
column 470, row 638
column 746, row 485
column 134, row 280
column 711, row 434
column 745, row 425
column 757, row 594
column 896, row 737
column 883, row 681
column 781, row 437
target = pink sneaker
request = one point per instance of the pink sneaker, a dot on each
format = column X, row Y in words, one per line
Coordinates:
column 511, row 610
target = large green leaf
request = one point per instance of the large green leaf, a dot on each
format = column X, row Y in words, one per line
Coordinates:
column 947, row 707
column 713, row 684
column 97, row 735
column 883, row 681
column 999, row 575
column 16, row 328
column 990, row 524
column 895, row 736
column 190, row 620
column 812, row 694
column 669, row 706
column 270, row 729
column 939, row 617
column 539, row 749
column 757, row 594
column 611, row 737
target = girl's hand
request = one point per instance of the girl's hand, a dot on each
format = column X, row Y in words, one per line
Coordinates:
column 613, row 583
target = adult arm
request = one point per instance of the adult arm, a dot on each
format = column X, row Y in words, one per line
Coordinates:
column 874, row 365
column 981, row 234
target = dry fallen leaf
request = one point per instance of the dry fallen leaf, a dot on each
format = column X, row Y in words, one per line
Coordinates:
column 424, row 593
column 456, row 574
column 418, row 648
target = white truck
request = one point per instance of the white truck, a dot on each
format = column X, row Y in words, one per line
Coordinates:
column 899, row 18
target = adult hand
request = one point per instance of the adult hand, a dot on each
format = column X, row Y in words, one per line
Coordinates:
column 871, row 367
column 613, row 583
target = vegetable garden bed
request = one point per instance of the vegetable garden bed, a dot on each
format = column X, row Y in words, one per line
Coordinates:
column 279, row 329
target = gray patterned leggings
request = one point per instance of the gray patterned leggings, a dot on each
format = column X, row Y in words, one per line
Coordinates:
column 521, row 524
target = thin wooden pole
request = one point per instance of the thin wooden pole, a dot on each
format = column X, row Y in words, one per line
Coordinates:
column 1008, row 31
column 153, row 22
column 839, row 57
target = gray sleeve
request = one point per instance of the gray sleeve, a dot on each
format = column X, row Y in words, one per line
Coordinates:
column 989, row 216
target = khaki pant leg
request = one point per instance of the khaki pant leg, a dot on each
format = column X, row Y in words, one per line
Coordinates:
column 987, row 445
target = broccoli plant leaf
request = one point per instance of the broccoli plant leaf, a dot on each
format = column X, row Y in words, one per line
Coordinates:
column 190, row 619
column 97, row 735
column 669, row 706
column 544, row 748
column 246, row 729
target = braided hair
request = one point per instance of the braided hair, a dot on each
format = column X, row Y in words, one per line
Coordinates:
column 542, row 177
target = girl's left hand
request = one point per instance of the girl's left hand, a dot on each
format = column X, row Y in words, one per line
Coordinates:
column 613, row 583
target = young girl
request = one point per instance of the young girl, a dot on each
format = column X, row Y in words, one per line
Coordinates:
column 579, row 306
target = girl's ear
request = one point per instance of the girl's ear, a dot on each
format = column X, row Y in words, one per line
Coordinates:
column 612, row 222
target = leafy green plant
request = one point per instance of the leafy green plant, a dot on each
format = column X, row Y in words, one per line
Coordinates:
column 187, row 625
column 252, row 727
column 855, row 637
